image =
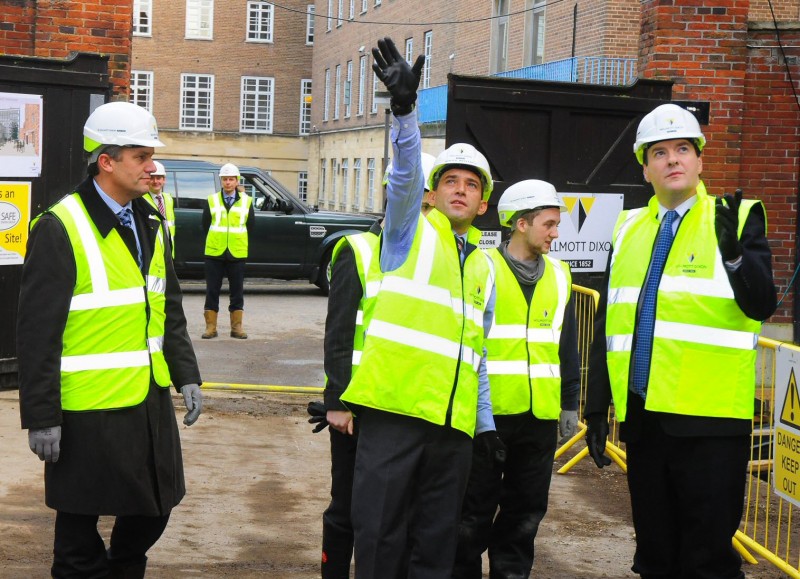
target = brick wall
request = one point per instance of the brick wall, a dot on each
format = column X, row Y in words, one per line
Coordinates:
column 55, row 28
column 720, row 54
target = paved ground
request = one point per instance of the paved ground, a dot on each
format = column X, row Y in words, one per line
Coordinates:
column 257, row 477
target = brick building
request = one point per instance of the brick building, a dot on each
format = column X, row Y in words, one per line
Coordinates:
column 227, row 81
column 467, row 37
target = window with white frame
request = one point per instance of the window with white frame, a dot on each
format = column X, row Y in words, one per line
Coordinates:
column 533, row 43
column 500, row 36
column 348, row 92
column 377, row 2
column 305, row 106
column 302, row 186
column 370, row 184
column 328, row 15
column 142, row 17
column 364, row 6
column 142, row 89
column 340, row 13
column 334, row 197
column 259, row 21
column 323, row 182
column 409, row 50
column 256, row 104
column 326, row 98
column 426, row 70
column 362, row 77
column 197, row 102
column 200, row 19
column 375, row 83
column 310, row 23
column 352, row 13
column 345, row 182
column 356, row 184
column 337, row 100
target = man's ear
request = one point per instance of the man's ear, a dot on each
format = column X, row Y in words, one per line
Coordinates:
column 104, row 163
column 483, row 207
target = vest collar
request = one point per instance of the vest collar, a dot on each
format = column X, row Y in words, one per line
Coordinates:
column 442, row 225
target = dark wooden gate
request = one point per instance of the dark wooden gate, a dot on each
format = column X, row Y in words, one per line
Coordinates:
column 70, row 90
column 578, row 137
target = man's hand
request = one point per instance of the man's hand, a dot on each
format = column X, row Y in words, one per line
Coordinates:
column 316, row 410
column 401, row 80
column 45, row 442
column 193, row 398
column 726, row 225
column 341, row 420
column 567, row 425
column 596, row 435
column 488, row 444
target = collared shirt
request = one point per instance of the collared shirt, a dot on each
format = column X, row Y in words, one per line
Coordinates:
column 116, row 208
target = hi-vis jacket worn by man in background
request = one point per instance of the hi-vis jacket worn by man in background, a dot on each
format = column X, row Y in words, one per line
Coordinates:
column 689, row 282
column 101, row 336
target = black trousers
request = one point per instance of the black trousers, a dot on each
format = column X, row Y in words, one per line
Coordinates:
column 409, row 482
column 519, row 488
column 216, row 270
column 687, row 497
column 337, row 530
column 79, row 551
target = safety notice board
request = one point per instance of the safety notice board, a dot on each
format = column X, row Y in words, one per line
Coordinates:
column 15, row 208
column 786, row 425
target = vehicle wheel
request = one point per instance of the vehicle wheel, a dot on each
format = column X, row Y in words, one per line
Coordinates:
column 324, row 277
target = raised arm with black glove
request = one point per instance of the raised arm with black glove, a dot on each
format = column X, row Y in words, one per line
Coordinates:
column 400, row 79
column 726, row 224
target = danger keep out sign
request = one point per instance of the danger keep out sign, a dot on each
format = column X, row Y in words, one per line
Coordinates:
column 786, row 424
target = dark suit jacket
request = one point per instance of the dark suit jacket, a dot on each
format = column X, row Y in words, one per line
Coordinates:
column 755, row 294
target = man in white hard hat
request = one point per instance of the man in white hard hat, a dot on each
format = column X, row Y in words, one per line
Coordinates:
column 101, row 335
column 534, row 374
column 417, row 391
column 161, row 200
column 689, row 282
column 228, row 218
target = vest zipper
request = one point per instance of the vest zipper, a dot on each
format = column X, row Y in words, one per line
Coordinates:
column 449, row 416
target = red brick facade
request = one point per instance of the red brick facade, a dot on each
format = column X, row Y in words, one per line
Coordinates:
column 56, row 28
column 720, row 54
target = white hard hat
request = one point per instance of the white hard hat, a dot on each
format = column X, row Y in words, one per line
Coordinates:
column 667, row 122
column 464, row 155
column 122, row 124
column 428, row 161
column 526, row 196
column 229, row 170
column 159, row 169
column 386, row 174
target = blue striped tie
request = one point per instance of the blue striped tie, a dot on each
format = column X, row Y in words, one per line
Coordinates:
column 643, row 348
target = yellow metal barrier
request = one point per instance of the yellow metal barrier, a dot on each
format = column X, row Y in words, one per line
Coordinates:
column 263, row 388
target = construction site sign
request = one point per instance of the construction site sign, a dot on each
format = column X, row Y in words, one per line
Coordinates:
column 15, row 209
column 786, row 425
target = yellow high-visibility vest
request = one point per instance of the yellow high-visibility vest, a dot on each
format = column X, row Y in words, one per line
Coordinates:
column 169, row 218
column 703, row 359
column 228, row 228
column 107, row 358
column 425, row 339
column 522, row 348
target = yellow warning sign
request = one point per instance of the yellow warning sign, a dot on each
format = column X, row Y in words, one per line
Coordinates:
column 790, row 413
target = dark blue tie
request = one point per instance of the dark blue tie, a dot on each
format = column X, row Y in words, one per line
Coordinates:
column 460, row 246
column 126, row 218
column 643, row 347
column 229, row 201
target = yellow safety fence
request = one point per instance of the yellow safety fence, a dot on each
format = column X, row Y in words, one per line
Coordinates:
column 768, row 528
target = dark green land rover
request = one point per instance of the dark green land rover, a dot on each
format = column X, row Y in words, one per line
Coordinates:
column 289, row 240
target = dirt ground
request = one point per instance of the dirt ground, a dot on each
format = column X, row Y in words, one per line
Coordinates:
column 258, row 479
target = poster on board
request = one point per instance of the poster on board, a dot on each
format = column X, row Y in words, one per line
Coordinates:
column 20, row 135
column 15, row 211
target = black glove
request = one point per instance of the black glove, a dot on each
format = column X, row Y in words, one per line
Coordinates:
column 726, row 224
column 596, row 435
column 489, row 445
column 400, row 79
column 316, row 410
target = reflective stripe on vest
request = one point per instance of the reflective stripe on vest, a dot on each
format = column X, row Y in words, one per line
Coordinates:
column 522, row 362
column 106, row 362
column 703, row 360
column 228, row 229
column 425, row 338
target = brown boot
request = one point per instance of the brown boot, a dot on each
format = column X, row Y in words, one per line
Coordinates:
column 211, row 324
column 236, row 325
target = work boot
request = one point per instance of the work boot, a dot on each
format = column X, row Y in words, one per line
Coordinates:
column 127, row 570
column 236, row 325
column 211, row 324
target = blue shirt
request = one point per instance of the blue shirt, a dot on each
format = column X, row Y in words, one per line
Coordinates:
column 116, row 208
column 403, row 199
